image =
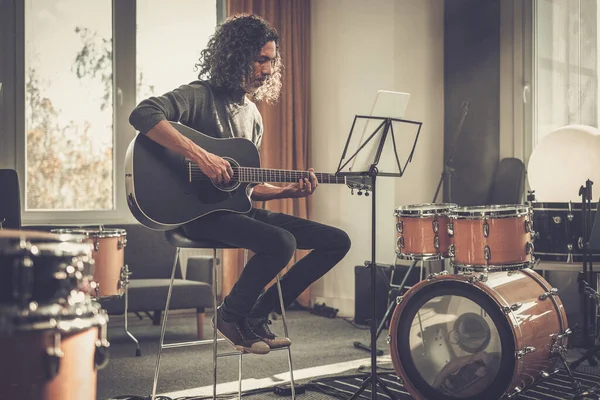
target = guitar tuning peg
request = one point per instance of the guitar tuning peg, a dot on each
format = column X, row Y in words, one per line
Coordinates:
column 360, row 192
column 352, row 191
column 366, row 194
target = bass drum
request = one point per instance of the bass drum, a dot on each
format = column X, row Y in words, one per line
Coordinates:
column 483, row 336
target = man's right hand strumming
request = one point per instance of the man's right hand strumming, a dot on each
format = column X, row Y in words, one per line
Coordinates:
column 216, row 168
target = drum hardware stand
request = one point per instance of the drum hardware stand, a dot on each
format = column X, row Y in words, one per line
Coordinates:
column 586, row 274
column 386, row 128
column 125, row 274
column 449, row 170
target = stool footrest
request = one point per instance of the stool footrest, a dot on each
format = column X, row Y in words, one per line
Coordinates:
column 191, row 343
column 237, row 353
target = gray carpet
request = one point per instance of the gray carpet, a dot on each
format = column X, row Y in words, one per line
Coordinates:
column 317, row 341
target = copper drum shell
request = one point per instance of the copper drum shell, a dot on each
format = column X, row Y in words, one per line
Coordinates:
column 508, row 240
column 108, row 254
column 23, row 371
column 535, row 320
column 422, row 231
column 109, row 259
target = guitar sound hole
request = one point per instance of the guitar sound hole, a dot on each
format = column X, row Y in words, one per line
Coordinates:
column 232, row 184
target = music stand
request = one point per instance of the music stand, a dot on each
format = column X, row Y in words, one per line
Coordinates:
column 373, row 145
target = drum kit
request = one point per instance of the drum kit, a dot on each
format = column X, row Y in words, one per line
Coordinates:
column 53, row 331
column 492, row 327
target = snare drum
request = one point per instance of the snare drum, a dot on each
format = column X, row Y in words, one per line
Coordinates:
column 109, row 258
column 422, row 231
column 472, row 337
column 39, row 268
column 492, row 238
column 53, row 352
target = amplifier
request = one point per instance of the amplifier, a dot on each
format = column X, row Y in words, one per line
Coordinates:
column 363, row 304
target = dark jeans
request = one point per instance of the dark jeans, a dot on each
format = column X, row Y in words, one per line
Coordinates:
column 273, row 237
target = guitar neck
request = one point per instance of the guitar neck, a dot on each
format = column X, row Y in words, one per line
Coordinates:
column 261, row 175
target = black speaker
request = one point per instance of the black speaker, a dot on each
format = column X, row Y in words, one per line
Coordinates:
column 363, row 304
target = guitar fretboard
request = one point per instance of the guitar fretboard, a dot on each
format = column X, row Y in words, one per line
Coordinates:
column 260, row 175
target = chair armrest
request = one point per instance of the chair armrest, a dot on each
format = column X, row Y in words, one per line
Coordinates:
column 199, row 269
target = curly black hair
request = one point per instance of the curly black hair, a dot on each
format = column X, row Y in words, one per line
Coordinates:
column 227, row 60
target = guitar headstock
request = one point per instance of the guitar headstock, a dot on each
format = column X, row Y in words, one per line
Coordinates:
column 359, row 183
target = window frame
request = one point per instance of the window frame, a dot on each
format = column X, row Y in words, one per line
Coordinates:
column 124, row 100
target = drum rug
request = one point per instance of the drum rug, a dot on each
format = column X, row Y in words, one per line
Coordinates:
column 555, row 387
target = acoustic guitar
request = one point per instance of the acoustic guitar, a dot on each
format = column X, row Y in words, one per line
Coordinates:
column 166, row 190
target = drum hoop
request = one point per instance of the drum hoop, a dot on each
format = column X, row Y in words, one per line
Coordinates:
column 453, row 280
column 90, row 315
column 432, row 209
column 481, row 212
column 62, row 249
column 420, row 256
column 553, row 206
column 493, row 267
column 94, row 234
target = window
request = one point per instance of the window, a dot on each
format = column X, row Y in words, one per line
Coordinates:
column 565, row 69
column 84, row 66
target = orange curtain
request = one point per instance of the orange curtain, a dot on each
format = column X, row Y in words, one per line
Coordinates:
column 287, row 123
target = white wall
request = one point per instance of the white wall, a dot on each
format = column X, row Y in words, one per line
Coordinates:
column 359, row 47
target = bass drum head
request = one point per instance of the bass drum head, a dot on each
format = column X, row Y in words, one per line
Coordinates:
column 449, row 340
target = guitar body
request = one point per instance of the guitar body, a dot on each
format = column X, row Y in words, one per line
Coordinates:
column 164, row 190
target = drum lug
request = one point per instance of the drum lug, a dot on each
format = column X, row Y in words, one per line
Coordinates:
column 513, row 307
column 552, row 292
column 450, row 229
column 580, row 243
column 487, row 253
column 482, row 277
column 400, row 227
column 451, row 251
column 121, row 243
column 435, row 226
column 52, row 358
column 570, row 254
column 527, row 350
column 388, row 339
column 529, row 249
column 433, row 276
column 400, row 242
column 96, row 245
column 399, row 299
column 486, row 229
column 528, row 226
column 436, row 242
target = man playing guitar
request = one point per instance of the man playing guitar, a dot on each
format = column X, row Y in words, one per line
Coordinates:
column 242, row 60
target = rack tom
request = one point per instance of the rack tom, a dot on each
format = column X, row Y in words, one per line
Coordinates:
column 496, row 237
column 422, row 231
column 109, row 258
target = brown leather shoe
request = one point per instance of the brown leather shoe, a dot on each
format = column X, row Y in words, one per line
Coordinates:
column 240, row 336
column 260, row 327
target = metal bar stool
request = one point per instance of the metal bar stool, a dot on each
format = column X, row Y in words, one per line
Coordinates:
column 178, row 239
